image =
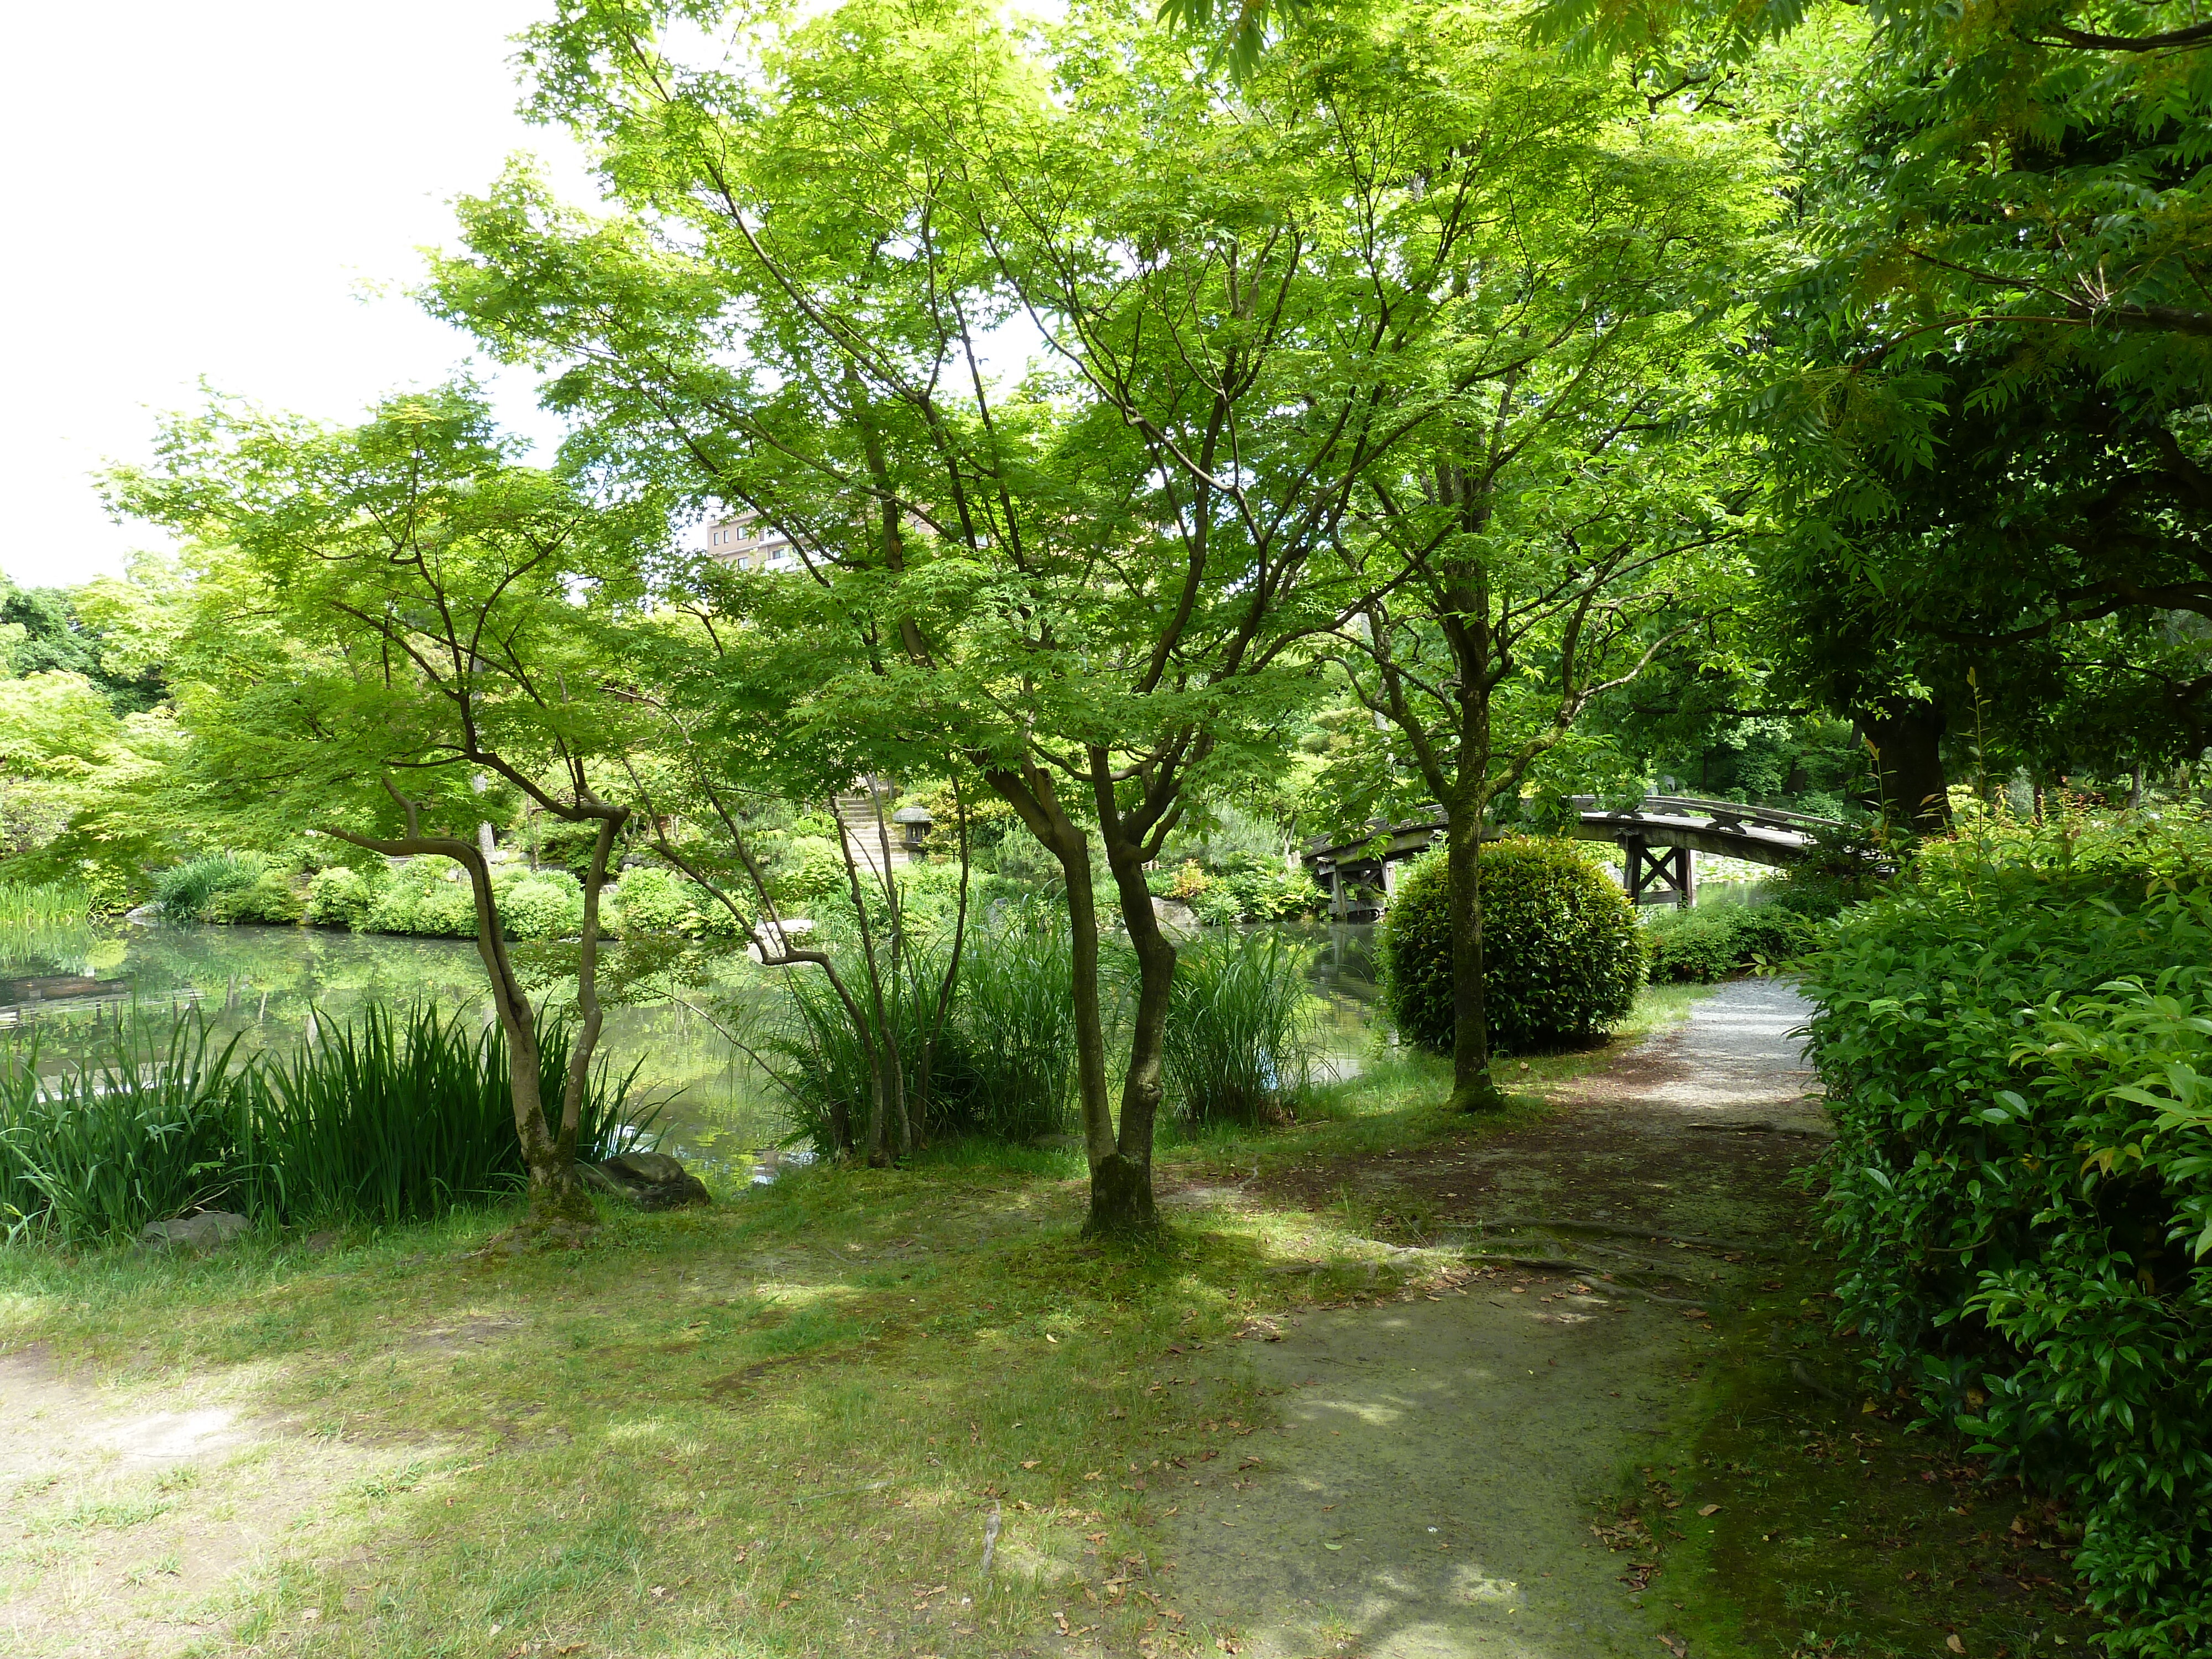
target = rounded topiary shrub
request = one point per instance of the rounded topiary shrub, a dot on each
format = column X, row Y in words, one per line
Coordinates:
column 1562, row 954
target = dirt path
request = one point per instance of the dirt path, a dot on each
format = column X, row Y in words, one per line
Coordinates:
column 134, row 1515
column 1434, row 1496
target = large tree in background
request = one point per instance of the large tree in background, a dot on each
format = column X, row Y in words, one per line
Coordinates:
column 1980, row 380
column 1095, row 575
column 1549, row 535
column 2058, row 550
column 387, row 619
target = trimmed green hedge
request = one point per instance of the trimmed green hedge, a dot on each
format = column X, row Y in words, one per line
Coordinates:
column 1562, row 954
column 1712, row 941
column 2017, row 1045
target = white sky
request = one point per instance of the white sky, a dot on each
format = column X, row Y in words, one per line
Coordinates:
column 203, row 190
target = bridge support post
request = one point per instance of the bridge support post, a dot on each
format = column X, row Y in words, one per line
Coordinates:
column 1659, row 875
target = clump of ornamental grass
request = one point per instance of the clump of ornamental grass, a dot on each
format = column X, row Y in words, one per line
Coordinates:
column 1001, row 1065
column 399, row 1117
column 387, row 1117
column 1242, row 1037
column 43, row 904
column 143, row 1126
column 1010, row 1070
column 187, row 892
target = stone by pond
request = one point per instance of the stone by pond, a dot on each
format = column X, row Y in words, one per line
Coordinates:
column 196, row 1233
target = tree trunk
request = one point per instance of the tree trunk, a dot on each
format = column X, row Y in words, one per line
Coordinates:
column 1120, row 1196
column 1121, row 1181
column 579, row 1076
column 1905, row 735
column 1473, row 1089
column 1031, row 794
column 556, row 1193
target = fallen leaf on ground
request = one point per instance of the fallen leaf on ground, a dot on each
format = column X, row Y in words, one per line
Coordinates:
column 1953, row 1643
column 1676, row 1646
column 1711, row 1509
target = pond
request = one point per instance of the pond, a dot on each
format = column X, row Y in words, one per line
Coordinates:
column 268, row 985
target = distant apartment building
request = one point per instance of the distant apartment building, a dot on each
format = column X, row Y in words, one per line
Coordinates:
column 750, row 542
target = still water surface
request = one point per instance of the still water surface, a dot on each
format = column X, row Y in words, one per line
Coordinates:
column 270, row 985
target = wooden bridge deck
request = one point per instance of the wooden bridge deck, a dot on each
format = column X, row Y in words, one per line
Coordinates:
column 1658, row 834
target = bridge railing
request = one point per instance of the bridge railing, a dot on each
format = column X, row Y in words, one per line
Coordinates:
column 1723, row 814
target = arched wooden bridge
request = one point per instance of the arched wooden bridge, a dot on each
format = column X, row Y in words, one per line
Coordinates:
column 1657, row 837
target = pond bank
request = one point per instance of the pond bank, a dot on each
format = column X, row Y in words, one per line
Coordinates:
column 270, row 984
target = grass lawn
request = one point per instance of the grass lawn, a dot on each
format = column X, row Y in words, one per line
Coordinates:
column 778, row 1426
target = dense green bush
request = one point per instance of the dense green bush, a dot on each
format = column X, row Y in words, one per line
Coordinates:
column 1713, row 940
column 1845, row 865
column 423, row 898
column 342, row 897
column 384, row 1118
column 271, row 898
column 540, row 904
column 651, row 902
column 1241, row 887
column 417, row 898
column 1563, row 956
column 2016, row 1042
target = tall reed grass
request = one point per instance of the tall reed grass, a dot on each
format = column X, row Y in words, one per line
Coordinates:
column 393, row 1118
column 1011, row 1069
column 1003, row 1065
column 1242, row 1040
column 144, row 1126
column 185, row 891
column 43, row 904
column 389, row 1117
column 1242, row 1035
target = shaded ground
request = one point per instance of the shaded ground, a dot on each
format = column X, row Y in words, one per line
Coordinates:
column 1434, row 1497
column 131, row 1511
column 1655, row 1445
